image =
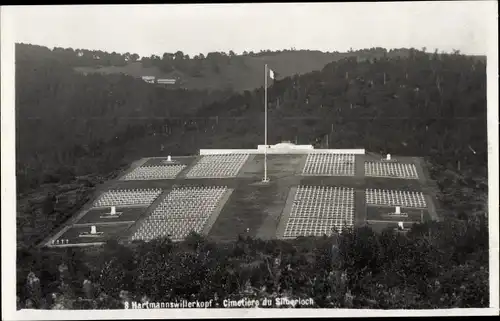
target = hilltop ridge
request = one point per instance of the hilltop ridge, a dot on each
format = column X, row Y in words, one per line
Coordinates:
column 215, row 71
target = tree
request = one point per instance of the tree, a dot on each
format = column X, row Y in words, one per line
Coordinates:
column 179, row 55
column 134, row 57
column 168, row 56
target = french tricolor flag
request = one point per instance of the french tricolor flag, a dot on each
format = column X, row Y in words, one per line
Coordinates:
column 271, row 74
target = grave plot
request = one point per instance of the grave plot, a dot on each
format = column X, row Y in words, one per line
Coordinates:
column 388, row 169
column 106, row 215
column 395, row 198
column 124, row 197
column 183, row 210
column 316, row 210
column 176, row 229
column 154, row 172
column 329, row 165
column 217, row 166
column 311, row 227
column 87, row 234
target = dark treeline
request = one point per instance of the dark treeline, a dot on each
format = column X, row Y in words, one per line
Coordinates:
column 167, row 62
column 436, row 265
column 218, row 61
column 196, row 66
column 75, row 131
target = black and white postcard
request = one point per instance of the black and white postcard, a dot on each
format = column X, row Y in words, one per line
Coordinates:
column 249, row 160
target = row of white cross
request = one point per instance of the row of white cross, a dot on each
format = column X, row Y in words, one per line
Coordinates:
column 176, row 229
column 391, row 170
column 317, row 227
column 395, row 198
column 344, row 165
column 318, row 209
column 154, row 172
column 61, row 241
column 128, row 197
column 217, row 166
column 228, row 165
column 329, row 164
column 184, row 209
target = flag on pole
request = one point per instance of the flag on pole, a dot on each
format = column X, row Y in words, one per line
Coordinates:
column 271, row 73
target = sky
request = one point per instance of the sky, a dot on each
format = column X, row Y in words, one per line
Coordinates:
column 195, row 28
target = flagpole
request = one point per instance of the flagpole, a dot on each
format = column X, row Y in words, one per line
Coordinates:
column 265, row 123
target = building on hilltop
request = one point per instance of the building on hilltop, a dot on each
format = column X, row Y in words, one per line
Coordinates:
column 161, row 81
column 173, row 79
column 166, row 81
column 149, row 79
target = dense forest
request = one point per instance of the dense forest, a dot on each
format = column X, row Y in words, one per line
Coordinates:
column 434, row 266
column 73, row 131
column 171, row 61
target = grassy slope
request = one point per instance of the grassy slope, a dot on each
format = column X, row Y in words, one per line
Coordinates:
column 238, row 76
